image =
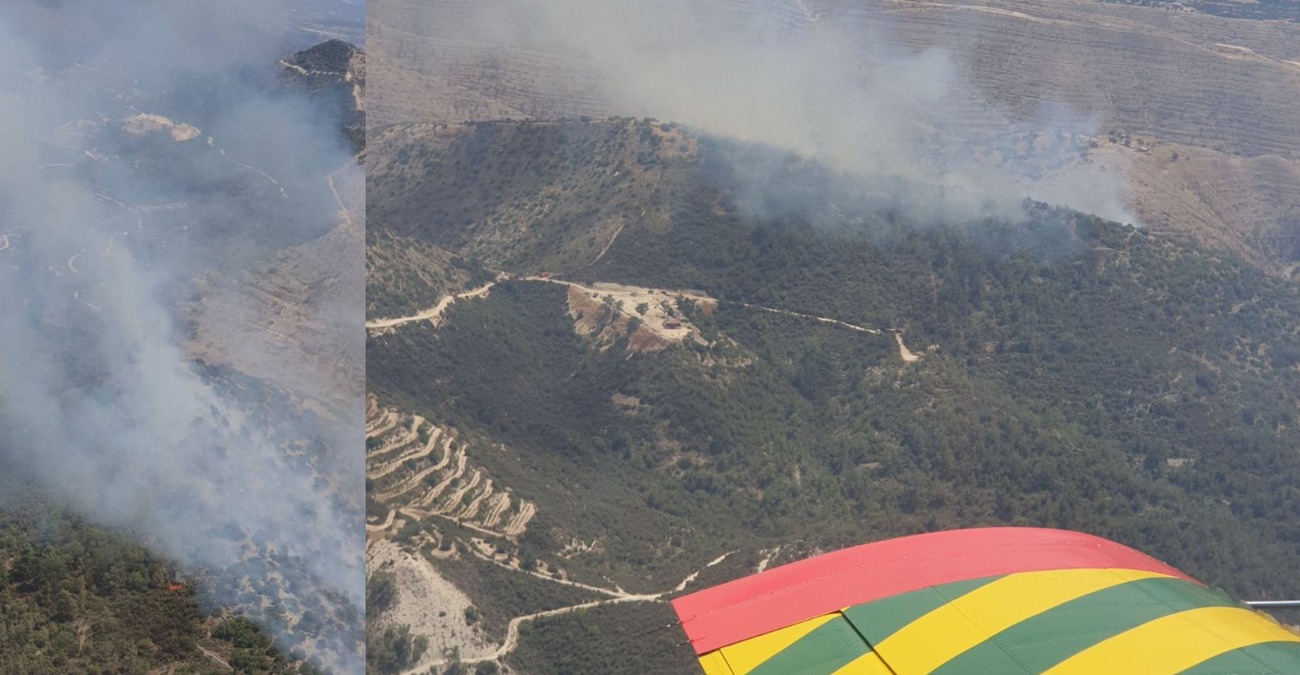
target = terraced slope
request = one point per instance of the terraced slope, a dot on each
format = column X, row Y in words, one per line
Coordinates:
column 422, row 470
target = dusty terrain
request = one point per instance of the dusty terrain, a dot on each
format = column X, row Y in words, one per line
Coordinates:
column 1248, row 205
column 432, row 606
column 616, row 596
column 608, row 310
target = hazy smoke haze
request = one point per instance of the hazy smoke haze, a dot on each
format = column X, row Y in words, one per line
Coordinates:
column 777, row 73
column 105, row 218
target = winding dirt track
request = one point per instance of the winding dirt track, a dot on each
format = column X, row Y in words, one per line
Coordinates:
column 388, row 522
column 397, row 463
column 512, row 629
column 433, row 313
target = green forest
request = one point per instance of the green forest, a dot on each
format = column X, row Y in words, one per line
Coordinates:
column 80, row 599
column 1075, row 373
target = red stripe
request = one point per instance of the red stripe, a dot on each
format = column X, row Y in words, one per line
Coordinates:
column 722, row 615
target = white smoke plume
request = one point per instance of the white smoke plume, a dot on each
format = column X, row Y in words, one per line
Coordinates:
column 831, row 88
column 144, row 142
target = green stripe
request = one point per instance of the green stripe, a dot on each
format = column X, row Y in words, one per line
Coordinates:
column 1044, row 640
column 1266, row 658
column 879, row 619
column 835, row 643
column 828, row 648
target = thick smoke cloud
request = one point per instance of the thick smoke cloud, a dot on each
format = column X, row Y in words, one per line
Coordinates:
column 829, row 88
column 106, row 218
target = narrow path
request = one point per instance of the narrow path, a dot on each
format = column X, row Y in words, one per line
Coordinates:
column 212, row 142
column 216, row 658
column 611, row 592
column 696, row 574
column 396, row 463
column 403, row 439
column 433, row 313
column 903, row 351
column 385, row 422
column 446, row 452
column 386, row 524
column 608, row 244
column 304, row 71
column 338, row 199
column 512, row 634
column 416, row 514
column 823, row 319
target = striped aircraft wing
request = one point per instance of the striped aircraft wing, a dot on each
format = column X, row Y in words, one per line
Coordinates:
column 992, row 600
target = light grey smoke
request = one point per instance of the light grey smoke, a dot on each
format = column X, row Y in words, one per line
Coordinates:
column 829, row 88
column 144, row 142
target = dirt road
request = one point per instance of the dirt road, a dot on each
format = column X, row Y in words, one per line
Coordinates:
column 823, row 319
column 216, row 658
column 654, row 319
column 903, row 351
column 344, row 213
column 385, row 525
column 433, row 313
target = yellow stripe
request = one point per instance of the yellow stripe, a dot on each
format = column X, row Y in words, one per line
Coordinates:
column 867, row 664
column 746, row 656
column 1174, row 643
column 937, row 637
column 714, row 664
